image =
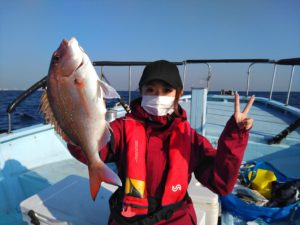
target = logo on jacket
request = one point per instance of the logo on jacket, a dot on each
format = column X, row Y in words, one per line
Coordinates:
column 176, row 188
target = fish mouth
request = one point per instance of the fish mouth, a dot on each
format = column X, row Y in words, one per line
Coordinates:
column 72, row 41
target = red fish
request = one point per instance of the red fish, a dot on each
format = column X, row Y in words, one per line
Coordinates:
column 74, row 103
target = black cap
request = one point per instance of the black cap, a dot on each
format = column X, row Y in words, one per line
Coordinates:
column 161, row 70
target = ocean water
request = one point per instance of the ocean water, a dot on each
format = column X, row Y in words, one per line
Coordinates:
column 27, row 112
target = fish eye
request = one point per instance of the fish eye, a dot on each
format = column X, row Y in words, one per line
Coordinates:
column 56, row 58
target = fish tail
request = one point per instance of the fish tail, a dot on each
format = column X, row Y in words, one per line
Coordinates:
column 101, row 173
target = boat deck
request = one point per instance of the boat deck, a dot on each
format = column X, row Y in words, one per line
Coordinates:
column 28, row 174
column 269, row 120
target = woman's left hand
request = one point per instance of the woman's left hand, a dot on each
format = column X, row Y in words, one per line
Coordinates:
column 241, row 118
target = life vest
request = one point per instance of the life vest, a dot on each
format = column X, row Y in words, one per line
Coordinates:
column 135, row 200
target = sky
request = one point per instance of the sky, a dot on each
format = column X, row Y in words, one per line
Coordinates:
column 175, row 30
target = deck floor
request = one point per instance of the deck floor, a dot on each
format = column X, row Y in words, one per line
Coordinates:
column 268, row 122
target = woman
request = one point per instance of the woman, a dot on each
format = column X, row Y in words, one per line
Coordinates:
column 156, row 152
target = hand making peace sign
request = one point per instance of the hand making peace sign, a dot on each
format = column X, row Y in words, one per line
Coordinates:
column 241, row 117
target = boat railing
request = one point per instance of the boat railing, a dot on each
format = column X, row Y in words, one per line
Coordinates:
column 291, row 62
column 128, row 64
column 11, row 108
column 210, row 61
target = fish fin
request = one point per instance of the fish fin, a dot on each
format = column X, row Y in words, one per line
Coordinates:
column 105, row 137
column 108, row 91
column 46, row 110
column 101, row 173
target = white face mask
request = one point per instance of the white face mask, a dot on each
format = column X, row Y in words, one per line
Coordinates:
column 158, row 105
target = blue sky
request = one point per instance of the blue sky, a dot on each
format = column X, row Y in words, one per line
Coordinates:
column 176, row 30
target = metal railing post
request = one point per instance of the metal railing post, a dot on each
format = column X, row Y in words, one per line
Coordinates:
column 273, row 80
column 129, row 85
column 248, row 78
column 9, row 123
column 198, row 109
column 209, row 75
column 290, row 85
column 184, row 74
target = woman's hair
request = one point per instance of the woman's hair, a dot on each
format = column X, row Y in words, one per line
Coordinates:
column 176, row 101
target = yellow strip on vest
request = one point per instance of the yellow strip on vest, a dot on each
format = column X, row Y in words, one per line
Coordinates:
column 133, row 184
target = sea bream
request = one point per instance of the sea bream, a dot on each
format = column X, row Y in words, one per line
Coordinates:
column 74, row 103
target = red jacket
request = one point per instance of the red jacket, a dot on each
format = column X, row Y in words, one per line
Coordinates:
column 215, row 169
